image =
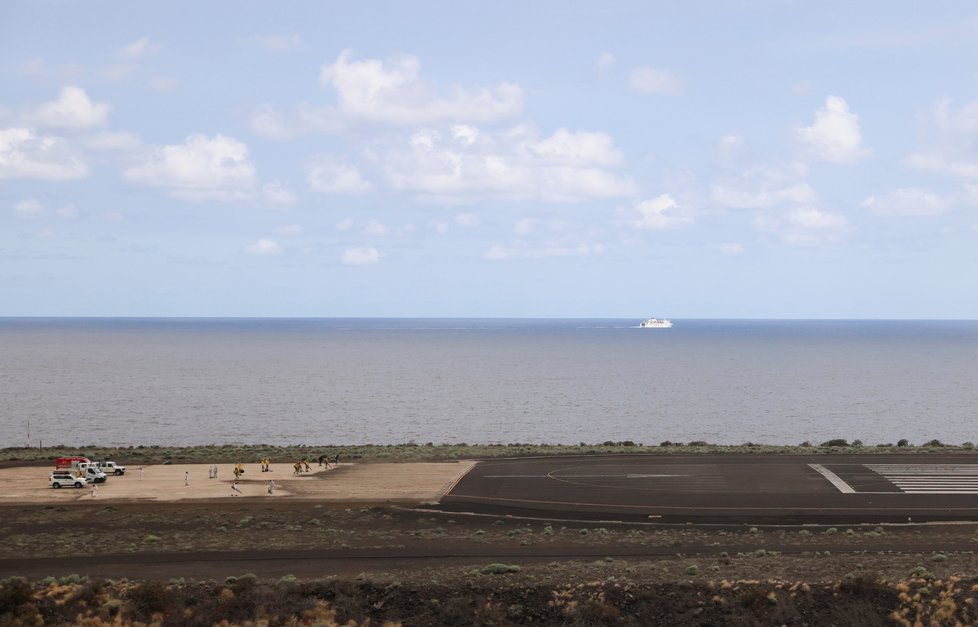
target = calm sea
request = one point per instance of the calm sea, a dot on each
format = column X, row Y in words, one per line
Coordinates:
column 347, row 381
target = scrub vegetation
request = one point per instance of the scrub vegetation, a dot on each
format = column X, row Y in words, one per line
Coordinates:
column 233, row 453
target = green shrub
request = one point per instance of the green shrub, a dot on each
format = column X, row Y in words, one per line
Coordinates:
column 693, row 569
column 938, row 557
column 499, row 569
column 14, row 592
column 836, row 442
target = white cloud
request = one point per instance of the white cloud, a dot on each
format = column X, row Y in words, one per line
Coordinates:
column 511, row 164
column 277, row 194
column 68, row 211
column 26, row 155
column 268, row 247
column 360, row 256
column 835, row 135
column 34, row 67
column 648, row 80
column 118, row 73
column 907, row 201
column 279, row 43
column 526, row 226
column 330, row 175
column 289, row 230
column 29, row 208
column 467, row 220
column 660, row 213
column 548, row 250
column 200, row 169
column 762, row 186
column 376, row 228
column 344, row 225
column 392, row 92
column 138, row 48
column 440, row 226
column 387, row 92
column 952, row 141
column 605, row 61
column 72, row 110
column 732, row 248
column 731, row 150
column 163, row 84
column 804, row 226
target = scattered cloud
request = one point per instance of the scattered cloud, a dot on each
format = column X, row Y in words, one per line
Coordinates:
column 163, row 84
column 387, row 92
column 118, row 73
column 138, row 48
column 33, row 67
column 467, row 220
column 907, row 202
column 466, row 164
column 544, row 251
column 73, row 110
column 835, row 135
column 277, row 194
column 441, row 227
column 267, row 247
column 391, row 91
column 200, row 169
column 29, row 208
column 329, row 175
column 951, row 141
column 376, row 228
column 360, row 257
column 68, row 211
column 805, row 226
column 732, row 248
column 26, row 155
column 660, row 213
column 605, row 61
column 344, row 225
column 279, row 43
column 763, row 186
column 289, row 230
column 649, row 80
column 526, row 226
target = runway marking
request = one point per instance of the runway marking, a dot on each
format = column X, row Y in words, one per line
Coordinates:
column 833, row 478
column 478, row 498
column 930, row 478
column 551, row 476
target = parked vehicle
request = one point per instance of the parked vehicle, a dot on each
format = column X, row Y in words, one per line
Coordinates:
column 111, row 468
column 92, row 472
column 62, row 478
column 70, row 462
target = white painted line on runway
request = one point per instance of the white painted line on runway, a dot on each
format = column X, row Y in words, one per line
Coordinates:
column 633, row 476
column 930, row 478
column 833, row 478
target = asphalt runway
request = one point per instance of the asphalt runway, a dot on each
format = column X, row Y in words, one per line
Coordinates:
column 725, row 489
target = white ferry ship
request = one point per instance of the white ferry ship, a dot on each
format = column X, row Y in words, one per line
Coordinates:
column 655, row 323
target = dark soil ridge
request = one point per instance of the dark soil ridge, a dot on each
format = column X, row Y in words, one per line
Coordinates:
column 859, row 600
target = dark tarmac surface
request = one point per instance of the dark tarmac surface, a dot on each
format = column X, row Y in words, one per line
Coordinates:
column 725, row 489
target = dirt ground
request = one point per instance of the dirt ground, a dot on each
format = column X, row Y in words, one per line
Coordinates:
column 373, row 483
column 364, row 540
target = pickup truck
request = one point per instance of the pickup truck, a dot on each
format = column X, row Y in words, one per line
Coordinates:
column 111, row 468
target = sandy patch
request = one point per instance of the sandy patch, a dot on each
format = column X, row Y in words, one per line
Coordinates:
column 375, row 482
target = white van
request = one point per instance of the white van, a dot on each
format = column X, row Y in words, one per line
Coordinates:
column 91, row 472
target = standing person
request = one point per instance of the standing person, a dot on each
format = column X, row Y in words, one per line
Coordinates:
column 271, row 486
column 94, row 490
column 140, row 473
column 186, row 477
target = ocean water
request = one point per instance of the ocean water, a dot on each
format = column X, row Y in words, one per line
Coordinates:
column 349, row 381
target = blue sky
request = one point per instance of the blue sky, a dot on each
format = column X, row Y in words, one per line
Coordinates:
column 700, row 160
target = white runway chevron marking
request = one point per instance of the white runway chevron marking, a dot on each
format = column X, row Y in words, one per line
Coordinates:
column 930, row 478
